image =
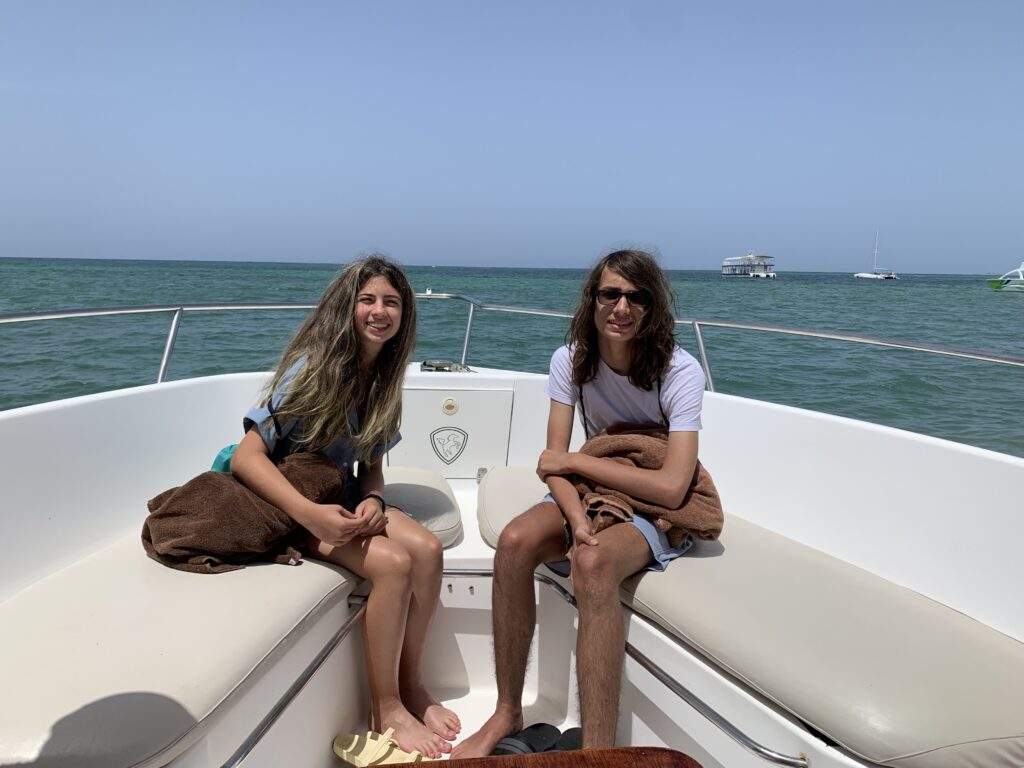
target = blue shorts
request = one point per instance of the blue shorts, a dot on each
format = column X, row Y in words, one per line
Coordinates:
column 662, row 553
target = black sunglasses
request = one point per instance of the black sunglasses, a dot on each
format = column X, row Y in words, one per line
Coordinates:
column 609, row 297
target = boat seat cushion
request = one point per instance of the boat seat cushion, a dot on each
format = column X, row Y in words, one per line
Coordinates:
column 112, row 659
column 156, row 650
column 427, row 498
column 504, row 493
column 876, row 667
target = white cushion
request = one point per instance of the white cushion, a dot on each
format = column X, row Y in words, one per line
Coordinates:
column 892, row 676
column 504, row 493
column 427, row 498
column 110, row 660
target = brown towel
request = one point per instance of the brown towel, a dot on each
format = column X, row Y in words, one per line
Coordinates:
column 213, row 523
column 700, row 514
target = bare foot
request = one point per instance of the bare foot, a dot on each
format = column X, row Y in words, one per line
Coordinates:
column 436, row 717
column 410, row 733
column 498, row 726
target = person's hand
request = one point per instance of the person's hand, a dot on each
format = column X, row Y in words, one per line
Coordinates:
column 371, row 513
column 583, row 534
column 554, row 463
column 331, row 523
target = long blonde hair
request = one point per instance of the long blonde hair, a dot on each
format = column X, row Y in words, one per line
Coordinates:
column 330, row 385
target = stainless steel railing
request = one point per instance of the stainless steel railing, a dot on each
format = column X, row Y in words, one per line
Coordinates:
column 475, row 305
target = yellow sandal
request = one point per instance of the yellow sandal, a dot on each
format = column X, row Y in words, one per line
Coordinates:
column 373, row 749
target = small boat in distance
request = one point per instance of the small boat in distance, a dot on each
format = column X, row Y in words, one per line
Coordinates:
column 750, row 265
column 1011, row 281
column 876, row 273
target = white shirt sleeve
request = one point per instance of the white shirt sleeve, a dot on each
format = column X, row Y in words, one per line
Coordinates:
column 560, row 386
column 682, row 393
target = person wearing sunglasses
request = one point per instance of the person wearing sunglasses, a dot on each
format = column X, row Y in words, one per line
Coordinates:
column 621, row 364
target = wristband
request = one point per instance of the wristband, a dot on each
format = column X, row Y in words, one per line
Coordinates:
column 378, row 497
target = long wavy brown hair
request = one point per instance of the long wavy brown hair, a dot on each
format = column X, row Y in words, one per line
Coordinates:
column 330, row 385
column 655, row 339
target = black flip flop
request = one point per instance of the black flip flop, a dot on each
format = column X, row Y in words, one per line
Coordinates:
column 560, row 568
column 539, row 737
column 571, row 739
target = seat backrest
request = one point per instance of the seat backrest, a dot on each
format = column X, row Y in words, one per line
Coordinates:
column 938, row 517
column 77, row 473
column 504, row 493
column 427, row 498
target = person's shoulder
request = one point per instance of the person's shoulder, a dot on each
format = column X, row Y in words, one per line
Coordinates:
column 563, row 351
column 560, row 386
column 682, row 360
column 298, row 365
column 683, row 366
column 292, row 372
column 561, row 356
column 285, row 384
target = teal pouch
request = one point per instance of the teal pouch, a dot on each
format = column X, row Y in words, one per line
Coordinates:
column 223, row 461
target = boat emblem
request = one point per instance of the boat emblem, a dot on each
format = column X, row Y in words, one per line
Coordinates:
column 448, row 443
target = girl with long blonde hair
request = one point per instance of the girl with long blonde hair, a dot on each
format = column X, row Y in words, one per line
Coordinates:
column 337, row 391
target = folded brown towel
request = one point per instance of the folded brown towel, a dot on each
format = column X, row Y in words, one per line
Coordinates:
column 700, row 514
column 213, row 523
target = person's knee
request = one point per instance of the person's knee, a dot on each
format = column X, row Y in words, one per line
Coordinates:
column 516, row 548
column 433, row 549
column 593, row 575
column 513, row 538
column 390, row 562
column 429, row 551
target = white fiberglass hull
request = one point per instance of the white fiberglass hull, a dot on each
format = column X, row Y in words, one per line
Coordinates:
column 64, row 526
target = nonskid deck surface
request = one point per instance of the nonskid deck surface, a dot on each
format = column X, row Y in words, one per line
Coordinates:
column 631, row 757
column 475, row 707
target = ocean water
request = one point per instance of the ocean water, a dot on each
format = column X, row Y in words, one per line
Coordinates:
column 970, row 402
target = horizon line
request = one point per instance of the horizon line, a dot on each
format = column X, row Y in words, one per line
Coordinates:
column 432, row 266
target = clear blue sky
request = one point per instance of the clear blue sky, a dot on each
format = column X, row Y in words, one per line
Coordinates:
column 515, row 134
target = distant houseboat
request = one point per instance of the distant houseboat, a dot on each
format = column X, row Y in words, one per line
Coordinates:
column 751, row 265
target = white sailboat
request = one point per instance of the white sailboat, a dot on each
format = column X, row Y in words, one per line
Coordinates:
column 876, row 273
column 823, row 630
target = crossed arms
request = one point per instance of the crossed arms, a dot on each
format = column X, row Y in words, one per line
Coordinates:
column 665, row 487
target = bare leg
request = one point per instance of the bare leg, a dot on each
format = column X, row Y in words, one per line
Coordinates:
column 427, row 563
column 535, row 537
column 597, row 573
column 389, row 567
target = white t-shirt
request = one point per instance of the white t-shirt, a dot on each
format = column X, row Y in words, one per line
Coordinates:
column 609, row 398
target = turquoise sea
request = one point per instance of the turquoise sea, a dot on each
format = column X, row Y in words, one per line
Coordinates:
column 971, row 402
